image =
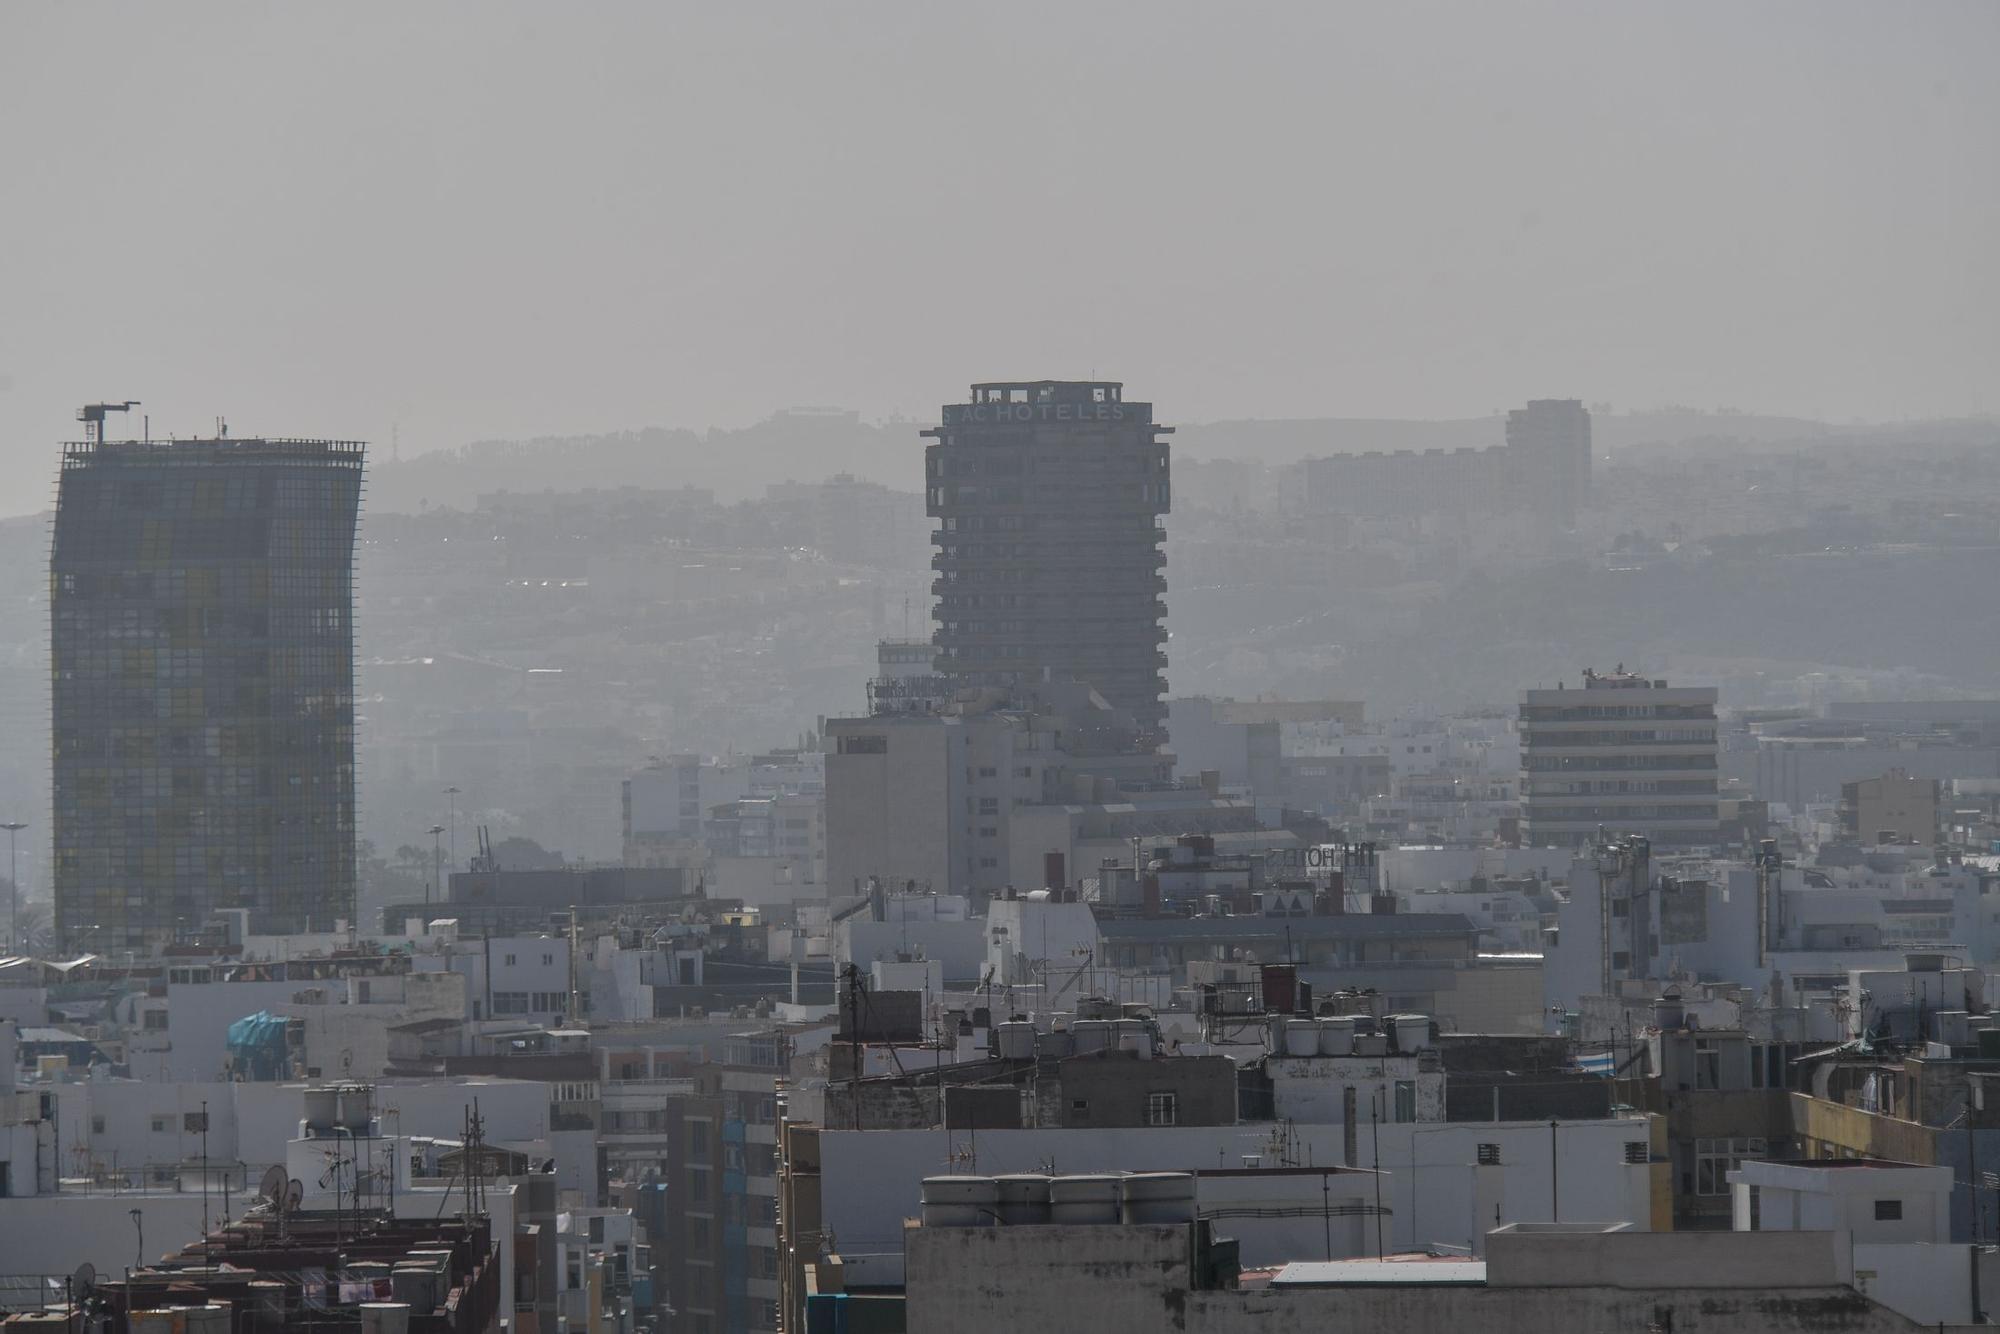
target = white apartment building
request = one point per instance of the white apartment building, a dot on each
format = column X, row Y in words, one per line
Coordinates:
column 1625, row 754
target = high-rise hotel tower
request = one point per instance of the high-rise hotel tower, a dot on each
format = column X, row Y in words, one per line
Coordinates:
column 201, row 608
column 1048, row 496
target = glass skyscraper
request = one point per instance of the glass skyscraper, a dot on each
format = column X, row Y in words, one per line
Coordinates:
column 201, row 636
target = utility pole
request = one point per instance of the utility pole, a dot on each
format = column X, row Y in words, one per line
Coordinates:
column 1555, row 1180
column 451, row 793
column 204, row 1167
column 437, row 865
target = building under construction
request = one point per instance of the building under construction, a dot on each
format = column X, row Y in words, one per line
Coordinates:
column 201, row 629
column 1048, row 496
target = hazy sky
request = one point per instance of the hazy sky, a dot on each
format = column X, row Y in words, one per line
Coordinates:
column 506, row 219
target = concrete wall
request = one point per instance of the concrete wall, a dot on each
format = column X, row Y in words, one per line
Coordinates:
column 1537, row 1258
column 252, row 1123
column 53, row 1234
column 1314, row 1089
column 1416, row 1309
column 1114, row 1089
column 1129, row 1280
column 1931, row 1285
column 1403, row 870
column 964, row 1279
column 891, row 814
column 871, row 1180
column 959, row 946
column 1021, row 934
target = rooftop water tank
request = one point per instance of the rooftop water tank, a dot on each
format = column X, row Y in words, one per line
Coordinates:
column 357, row 1108
column 1301, row 1037
column 416, row 1286
column 1022, row 1198
column 1158, row 1197
column 1413, row 1033
column 960, row 1201
column 1133, row 1036
column 1371, row 1044
column 385, row 1318
column 210, row 1319
column 1091, row 1035
column 322, row 1109
column 1084, row 1199
column 1336, row 1036
column 1016, row 1040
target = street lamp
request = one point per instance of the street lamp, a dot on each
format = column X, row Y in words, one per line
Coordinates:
column 437, row 864
column 13, row 828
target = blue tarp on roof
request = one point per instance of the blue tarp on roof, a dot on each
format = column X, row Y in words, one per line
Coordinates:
column 257, row 1046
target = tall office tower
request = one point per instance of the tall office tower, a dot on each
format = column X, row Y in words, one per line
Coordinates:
column 201, row 599
column 1624, row 755
column 1048, row 495
column 1549, row 447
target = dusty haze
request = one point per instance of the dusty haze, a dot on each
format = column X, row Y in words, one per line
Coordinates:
column 455, row 222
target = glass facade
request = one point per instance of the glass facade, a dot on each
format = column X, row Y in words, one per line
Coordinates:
column 201, row 639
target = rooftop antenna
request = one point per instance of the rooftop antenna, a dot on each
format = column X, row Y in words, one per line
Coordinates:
column 92, row 417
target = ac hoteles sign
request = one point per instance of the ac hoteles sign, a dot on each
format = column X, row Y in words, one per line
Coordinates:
column 961, row 414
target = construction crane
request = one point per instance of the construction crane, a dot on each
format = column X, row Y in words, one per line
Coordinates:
column 92, row 417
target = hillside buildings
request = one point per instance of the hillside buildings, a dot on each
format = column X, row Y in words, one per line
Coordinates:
column 1543, row 469
column 1625, row 753
column 201, row 630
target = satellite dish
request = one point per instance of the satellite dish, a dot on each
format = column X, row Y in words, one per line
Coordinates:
column 84, row 1278
column 272, row 1187
column 295, row 1193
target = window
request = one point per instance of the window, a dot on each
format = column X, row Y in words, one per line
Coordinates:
column 156, row 1021
column 868, row 744
column 507, row 960
column 1162, row 1109
column 1707, row 1064
column 548, row 959
column 1715, row 1159
column 1406, row 1100
column 159, row 1125
column 97, row 1125
column 1888, row 1211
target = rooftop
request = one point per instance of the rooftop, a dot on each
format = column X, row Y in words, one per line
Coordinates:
column 1345, row 926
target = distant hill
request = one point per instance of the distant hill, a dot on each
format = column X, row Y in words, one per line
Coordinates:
column 813, row 444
